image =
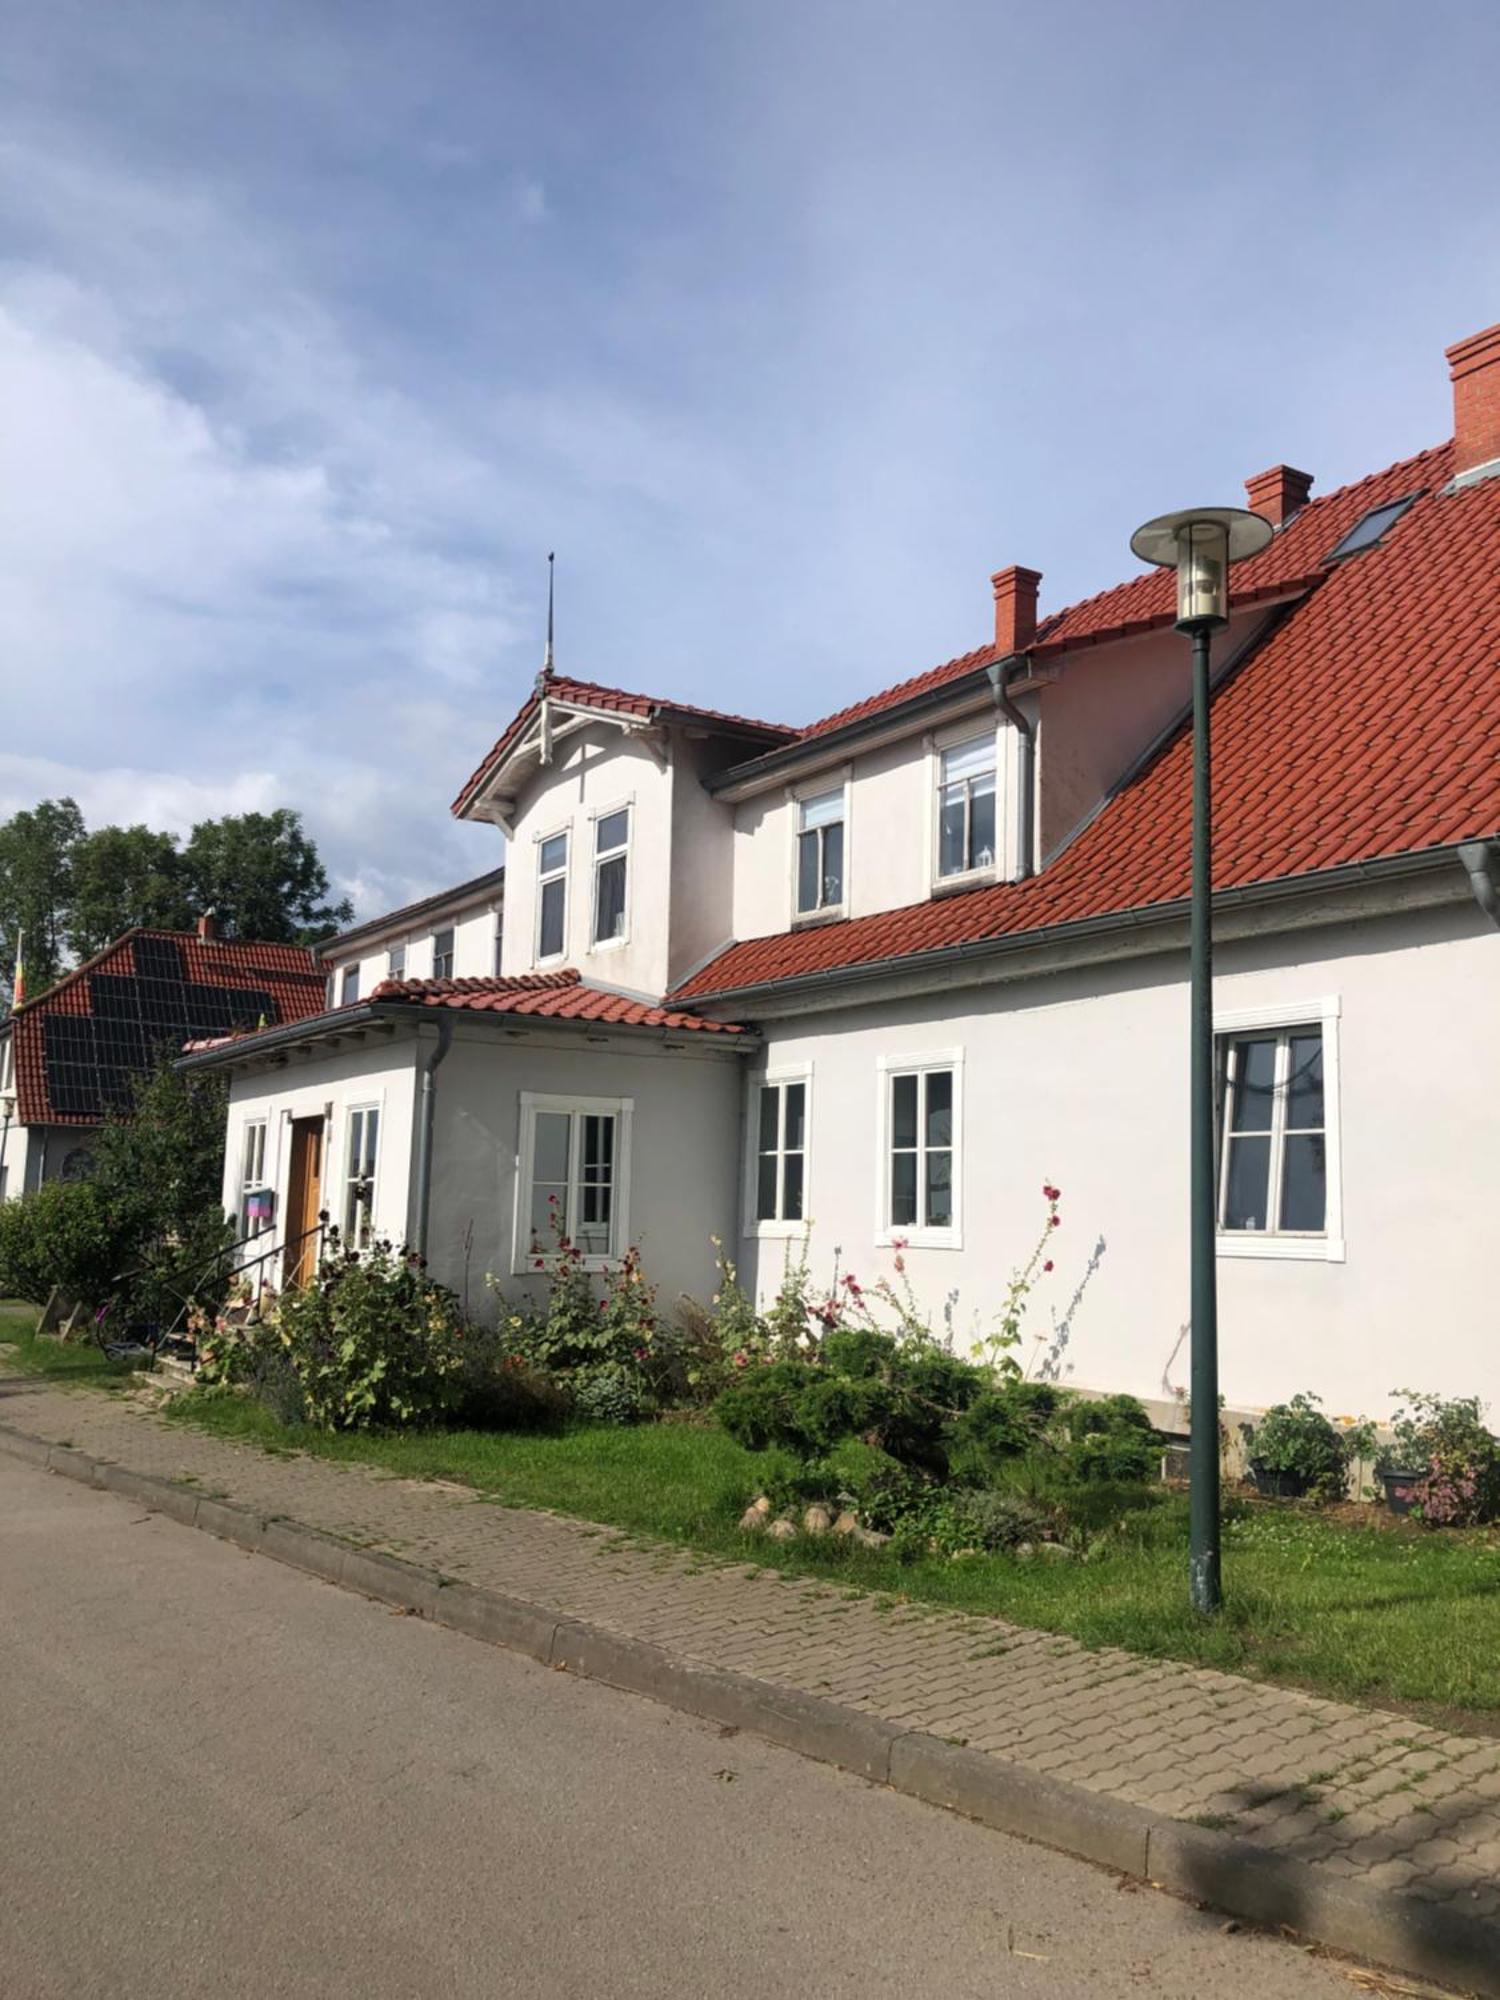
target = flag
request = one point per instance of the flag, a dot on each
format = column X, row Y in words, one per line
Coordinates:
column 18, row 983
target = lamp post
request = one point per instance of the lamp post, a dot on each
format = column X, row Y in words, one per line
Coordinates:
column 1200, row 543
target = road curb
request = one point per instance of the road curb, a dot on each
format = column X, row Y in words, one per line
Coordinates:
column 1434, row 1941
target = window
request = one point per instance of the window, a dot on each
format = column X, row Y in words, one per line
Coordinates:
column 78, row 1164
column 552, row 896
column 920, row 1113
column 1273, row 1160
column 499, row 944
column 820, row 853
column 255, row 1196
column 349, row 985
column 781, row 1150
column 573, row 1181
column 1368, row 530
column 966, row 807
column 359, row 1178
column 611, row 859
column 395, row 962
column 442, row 953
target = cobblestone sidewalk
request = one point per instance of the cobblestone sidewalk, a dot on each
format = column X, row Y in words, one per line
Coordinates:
column 1355, row 1794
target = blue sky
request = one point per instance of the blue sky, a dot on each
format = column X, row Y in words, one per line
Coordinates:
column 785, row 324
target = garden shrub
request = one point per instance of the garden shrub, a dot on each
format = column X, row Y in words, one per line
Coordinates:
column 1105, row 1441
column 61, row 1234
column 1446, row 1440
column 1296, row 1438
column 609, row 1392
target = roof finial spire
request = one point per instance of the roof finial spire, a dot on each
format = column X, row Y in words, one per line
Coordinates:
column 547, row 657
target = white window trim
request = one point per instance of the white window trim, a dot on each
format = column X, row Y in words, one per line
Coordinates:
column 793, row 1073
column 818, row 788
column 951, row 1236
column 950, row 738
column 522, row 1256
column 626, row 806
column 346, row 1159
column 1329, row 1248
column 433, row 936
column 247, row 1185
column 539, row 840
column 390, row 957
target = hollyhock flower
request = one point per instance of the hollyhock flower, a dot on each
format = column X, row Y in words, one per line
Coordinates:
column 1048, row 1265
column 1054, row 1222
column 541, row 1264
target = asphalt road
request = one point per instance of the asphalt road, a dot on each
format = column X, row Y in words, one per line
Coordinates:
column 221, row 1777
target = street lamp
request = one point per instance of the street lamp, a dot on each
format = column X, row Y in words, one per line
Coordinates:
column 1200, row 543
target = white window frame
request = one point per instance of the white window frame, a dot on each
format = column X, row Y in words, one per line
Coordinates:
column 622, row 1109
column 346, row 1175
column 1277, row 1018
column 253, row 1183
column 775, row 1227
column 395, row 961
column 948, row 1236
column 938, row 744
column 797, row 797
column 346, row 974
column 626, row 806
column 565, row 833
column 449, row 930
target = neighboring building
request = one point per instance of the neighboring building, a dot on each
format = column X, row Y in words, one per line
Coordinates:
column 871, row 982
column 69, row 1057
column 453, row 934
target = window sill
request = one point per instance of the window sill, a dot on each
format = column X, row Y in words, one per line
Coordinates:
column 776, row 1231
column 609, row 944
column 526, row 1268
column 973, row 878
column 806, row 920
column 1299, row 1249
column 920, row 1239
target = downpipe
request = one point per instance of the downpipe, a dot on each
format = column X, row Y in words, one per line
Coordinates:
column 1479, row 864
column 430, row 1063
column 1026, row 813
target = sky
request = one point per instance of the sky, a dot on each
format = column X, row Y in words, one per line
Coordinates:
column 785, row 324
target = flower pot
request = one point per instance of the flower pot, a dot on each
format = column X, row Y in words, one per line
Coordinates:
column 1272, row 1484
column 1401, row 1490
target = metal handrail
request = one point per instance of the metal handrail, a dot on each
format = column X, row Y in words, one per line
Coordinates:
column 187, row 1298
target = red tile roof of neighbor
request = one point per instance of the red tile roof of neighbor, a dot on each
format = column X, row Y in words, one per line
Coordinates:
column 616, row 701
column 1366, row 723
column 557, row 996
column 78, row 1044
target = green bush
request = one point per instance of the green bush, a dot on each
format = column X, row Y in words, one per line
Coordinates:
column 1448, row 1442
column 1105, row 1442
column 1296, row 1438
column 610, row 1392
column 65, row 1234
column 1001, row 1425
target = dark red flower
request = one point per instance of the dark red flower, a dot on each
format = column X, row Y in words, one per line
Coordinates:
column 1048, row 1265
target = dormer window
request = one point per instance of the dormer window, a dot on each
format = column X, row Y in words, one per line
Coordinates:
column 395, row 962
column 966, row 807
column 349, row 986
column 611, row 866
column 820, row 853
column 552, row 896
column 442, row 953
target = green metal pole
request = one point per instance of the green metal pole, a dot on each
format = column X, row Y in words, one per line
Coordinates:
column 1203, row 1454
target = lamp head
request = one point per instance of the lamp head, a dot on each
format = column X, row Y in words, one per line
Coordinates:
column 1200, row 543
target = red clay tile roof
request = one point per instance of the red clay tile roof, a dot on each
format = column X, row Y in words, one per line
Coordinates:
column 558, row 996
column 78, row 1045
column 1366, row 724
column 616, row 701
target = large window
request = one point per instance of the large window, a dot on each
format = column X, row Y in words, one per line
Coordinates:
column 966, row 807
column 781, row 1150
column 1273, row 1132
column 920, row 1113
column 820, row 853
column 552, row 896
column 442, row 953
column 359, row 1177
column 611, row 865
column 349, row 986
column 255, row 1196
column 574, row 1180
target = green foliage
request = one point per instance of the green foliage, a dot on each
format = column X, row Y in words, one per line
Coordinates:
column 123, row 876
column 37, row 849
column 371, row 1341
column 1447, row 1441
column 609, row 1392
column 1105, row 1441
column 1296, row 1438
column 60, row 1234
column 262, row 876
column 1002, row 1424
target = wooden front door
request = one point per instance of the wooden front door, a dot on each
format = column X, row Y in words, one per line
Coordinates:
column 304, row 1200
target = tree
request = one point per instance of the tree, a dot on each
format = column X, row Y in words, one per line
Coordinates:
column 37, row 851
column 262, row 877
column 123, row 876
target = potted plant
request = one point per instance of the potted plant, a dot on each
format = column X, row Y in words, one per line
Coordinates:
column 1295, row 1450
column 1442, row 1463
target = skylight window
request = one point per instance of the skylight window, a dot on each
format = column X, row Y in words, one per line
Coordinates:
column 1369, row 528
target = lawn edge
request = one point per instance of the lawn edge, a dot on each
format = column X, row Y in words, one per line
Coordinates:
column 1280, row 1892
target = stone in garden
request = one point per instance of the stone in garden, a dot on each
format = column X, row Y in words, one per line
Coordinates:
column 1054, row 1551
column 870, row 1538
column 846, row 1524
column 1025, row 1551
column 817, row 1520
column 752, row 1520
column 761, row 1505
column 783, row 1530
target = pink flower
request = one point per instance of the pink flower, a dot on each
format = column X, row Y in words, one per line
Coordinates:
column 1054, row 1222
column 1048, row 1265
column 741, row 1360
column 541, row 1264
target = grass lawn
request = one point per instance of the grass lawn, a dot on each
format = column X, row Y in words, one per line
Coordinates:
column 1393, row 1614
column 28, row 1353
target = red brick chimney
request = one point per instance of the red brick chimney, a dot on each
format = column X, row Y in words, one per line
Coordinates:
column 1474, row 365
column 1015, row 609
column 1277, row 494
column 208, row 927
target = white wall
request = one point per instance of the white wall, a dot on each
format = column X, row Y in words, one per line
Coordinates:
column 595, row 771
column 684, row 1150
column 1081, row 1079
column 474, row 925
column 330, row 1086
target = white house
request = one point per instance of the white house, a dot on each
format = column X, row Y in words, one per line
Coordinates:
column 453, row 934
column 867, row 984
